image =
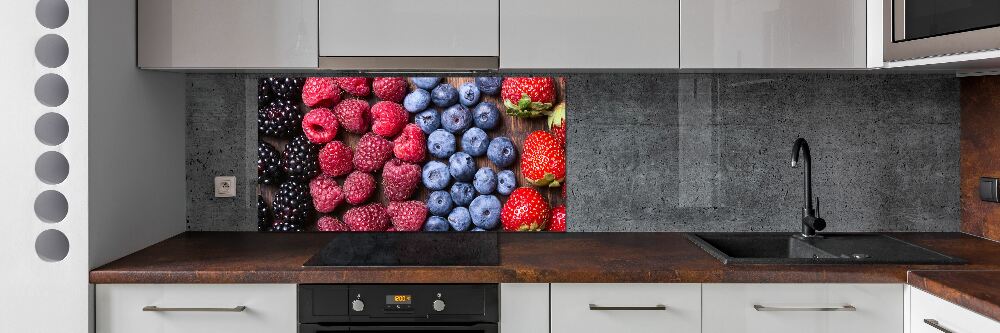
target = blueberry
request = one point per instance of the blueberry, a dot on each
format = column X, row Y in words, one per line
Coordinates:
column 444, row 95
column 506, row 182
column 417, row 100
column 428, row 121
column 501, row 152
column 426, row 82
column 439, row 203
column 485, row 211
column 462, row 193
column 456, row 119
column 468, row 94
column 435, row 175
column 441, row 144
column 460, row 219
column 462, row 167
column 489, row 85
column 486, row 181
column 486, row 115
column 436, row 223
column 475, row 142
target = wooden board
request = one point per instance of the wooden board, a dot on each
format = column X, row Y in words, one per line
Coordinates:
column 512, row 127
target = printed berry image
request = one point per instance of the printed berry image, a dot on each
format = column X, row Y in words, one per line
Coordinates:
column 269, row 168
column 280, row 118
column 300, row 159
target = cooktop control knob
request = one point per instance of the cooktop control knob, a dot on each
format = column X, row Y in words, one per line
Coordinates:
column 358, row 305
column 438, row 305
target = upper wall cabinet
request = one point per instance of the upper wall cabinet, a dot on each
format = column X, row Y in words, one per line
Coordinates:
column 408, row 34
column 780, row 34
column 574, row 34
column 192, row 34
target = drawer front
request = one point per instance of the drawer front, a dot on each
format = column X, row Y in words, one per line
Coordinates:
column 634, row 308
column 269, row 308
column 945, row 315
column 803, row 308
column 407, row 28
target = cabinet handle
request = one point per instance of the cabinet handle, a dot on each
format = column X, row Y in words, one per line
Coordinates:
column 935, row 324
column 159, row 309
column 596, row 307
column 759, row 307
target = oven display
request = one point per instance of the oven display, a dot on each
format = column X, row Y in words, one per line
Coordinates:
column 399, row 299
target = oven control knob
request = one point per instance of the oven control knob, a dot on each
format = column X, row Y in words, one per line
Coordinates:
column 358, row 305
column 438, row 305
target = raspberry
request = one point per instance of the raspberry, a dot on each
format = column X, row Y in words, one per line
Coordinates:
column 371, row 153
column 330, row 223
column 320, row 125
column 326, row 193
column 357, row 86
column 388, row 118
column 371, row 217
column 358, row 187
column 320, row 92
column 399, row 180
column 407, row 215
column 353, row 115
column 391, row 89
column 411, row 146
column 335, row 159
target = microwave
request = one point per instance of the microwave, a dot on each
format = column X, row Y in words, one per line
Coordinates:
column 915, row 29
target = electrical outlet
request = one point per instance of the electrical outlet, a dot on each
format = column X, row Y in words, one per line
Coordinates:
column 225, row 187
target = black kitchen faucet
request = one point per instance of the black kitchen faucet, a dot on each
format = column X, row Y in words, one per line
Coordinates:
column 810, row 221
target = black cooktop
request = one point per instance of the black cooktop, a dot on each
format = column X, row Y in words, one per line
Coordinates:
column 409, row 249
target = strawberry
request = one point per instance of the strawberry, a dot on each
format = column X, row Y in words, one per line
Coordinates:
column 399, row 180
column 358, row 187
column 320, row 92
column 335, row 159
column 525, row 210
column 558, row 222
column 330, row 223
column 371, row 217
column 528, row 96
column 543, row 161
column 407, row 215
column 371, row 153
column 411, row 146
column 391, row 89
column 352, row 115
column 357, row 86
column 557, row 124
column 388, row 118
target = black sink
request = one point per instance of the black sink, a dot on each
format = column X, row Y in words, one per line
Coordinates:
column 837, row 248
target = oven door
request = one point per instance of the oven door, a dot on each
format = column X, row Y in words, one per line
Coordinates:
column 914, row 29
column 473, row 328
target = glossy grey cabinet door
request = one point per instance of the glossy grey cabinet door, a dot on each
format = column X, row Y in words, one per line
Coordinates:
column 409, row 28
column 589, row 34
column 179, row 34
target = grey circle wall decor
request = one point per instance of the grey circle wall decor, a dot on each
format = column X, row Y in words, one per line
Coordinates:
column 52, row 167
column 51, row 51
column 51, row 206
column 51, row 129
column 51, row 90
column 52, row 245
column 52, row 13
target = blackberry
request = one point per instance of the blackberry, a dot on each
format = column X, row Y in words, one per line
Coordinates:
column 280, row 118
column 269, row 169
column 301, row 159
column 264, row 94
column 263, row 215
column 292, row 206
column 288, row 88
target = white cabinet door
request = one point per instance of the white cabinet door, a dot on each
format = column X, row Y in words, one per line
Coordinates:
column 930, row 314
column 524, row 308
column 802, row 308
column 589, row 34
column 775, row 34
column 227, row 34
column 633, row 308
column 270, row 308
column 408, row 28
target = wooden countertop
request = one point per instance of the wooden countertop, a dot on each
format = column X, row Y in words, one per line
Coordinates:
column 978, row 291
column 249, row 257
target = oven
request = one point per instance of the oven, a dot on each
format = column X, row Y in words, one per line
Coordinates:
column 383, row 308
column 914, row 29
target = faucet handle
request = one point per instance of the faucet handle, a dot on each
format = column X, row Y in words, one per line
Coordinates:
column 817, row 206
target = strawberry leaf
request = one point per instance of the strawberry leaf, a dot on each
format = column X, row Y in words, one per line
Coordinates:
column 524, row 103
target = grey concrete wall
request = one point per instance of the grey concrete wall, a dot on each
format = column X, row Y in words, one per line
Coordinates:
column 688, row 152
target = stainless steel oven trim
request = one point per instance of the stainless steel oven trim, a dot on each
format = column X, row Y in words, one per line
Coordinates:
column 958, row 43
